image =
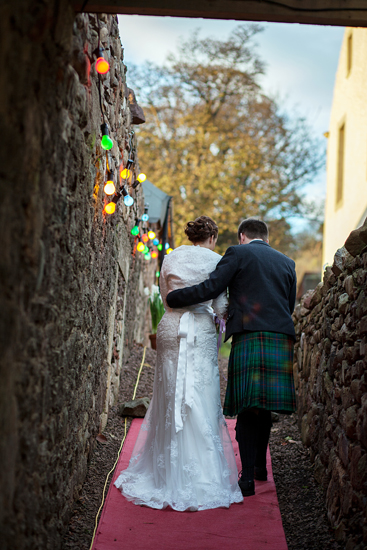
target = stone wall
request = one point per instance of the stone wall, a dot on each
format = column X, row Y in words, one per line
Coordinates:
column 331, row 380
column 71, row 286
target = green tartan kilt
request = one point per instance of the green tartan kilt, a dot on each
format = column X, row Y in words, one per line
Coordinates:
column 260, row 373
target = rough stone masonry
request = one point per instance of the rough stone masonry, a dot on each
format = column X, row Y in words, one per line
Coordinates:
column 331, row 375
column 71, row 286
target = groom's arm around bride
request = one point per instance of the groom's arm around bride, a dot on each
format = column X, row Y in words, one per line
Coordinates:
column 261, row 283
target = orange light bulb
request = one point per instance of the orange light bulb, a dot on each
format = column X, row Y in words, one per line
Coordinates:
column 109, row 188
column 144, row 238
column 102, row 66
column 110, row 208
column 140, row 247
column 154, row 255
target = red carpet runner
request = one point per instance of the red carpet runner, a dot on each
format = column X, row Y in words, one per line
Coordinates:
column 253, row 525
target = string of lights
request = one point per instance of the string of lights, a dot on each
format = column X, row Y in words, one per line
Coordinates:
column 145, row 239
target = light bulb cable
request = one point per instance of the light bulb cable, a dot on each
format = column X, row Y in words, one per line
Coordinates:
column 99, row 76
column 118, row 454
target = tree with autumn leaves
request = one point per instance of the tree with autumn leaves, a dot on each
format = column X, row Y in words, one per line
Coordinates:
column 218, row 144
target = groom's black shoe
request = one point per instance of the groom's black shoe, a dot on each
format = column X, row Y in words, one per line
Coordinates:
column 247, row 487
column 261, row 474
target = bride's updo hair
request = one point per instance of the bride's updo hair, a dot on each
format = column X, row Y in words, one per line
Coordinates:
column 201, row 229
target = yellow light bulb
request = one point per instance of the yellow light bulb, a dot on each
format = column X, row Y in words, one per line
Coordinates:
column 140, row 247
column 125, row 173
column 109, row 188
column 110, row 208
column 151, row 235
column 141, row 177
column 169, row 250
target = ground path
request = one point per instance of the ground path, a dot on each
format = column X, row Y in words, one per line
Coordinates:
column 300, row 498
column 253, row 524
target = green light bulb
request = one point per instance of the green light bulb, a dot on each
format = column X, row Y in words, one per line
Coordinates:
column 106, row 143
column 146, row 249
column 160, row 246
column 157, row 273
column 135, row 230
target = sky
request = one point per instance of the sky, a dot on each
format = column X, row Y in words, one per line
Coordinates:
column 301, row 63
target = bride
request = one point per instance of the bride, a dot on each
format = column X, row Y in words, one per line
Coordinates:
column 183, row 456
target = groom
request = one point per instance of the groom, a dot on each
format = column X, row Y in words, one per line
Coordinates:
column 262, row 293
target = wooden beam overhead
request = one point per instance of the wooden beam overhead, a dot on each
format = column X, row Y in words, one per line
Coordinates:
column 319, row 12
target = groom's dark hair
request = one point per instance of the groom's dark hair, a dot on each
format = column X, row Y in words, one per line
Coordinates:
column 253, row 229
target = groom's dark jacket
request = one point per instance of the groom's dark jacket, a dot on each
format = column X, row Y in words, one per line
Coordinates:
column 262, row 289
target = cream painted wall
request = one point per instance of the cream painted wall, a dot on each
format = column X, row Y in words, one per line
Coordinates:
column 349, row 107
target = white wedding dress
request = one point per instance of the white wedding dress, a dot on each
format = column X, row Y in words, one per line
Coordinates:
column 183, row 456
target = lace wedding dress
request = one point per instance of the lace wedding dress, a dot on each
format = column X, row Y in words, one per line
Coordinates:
column 183, row 456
